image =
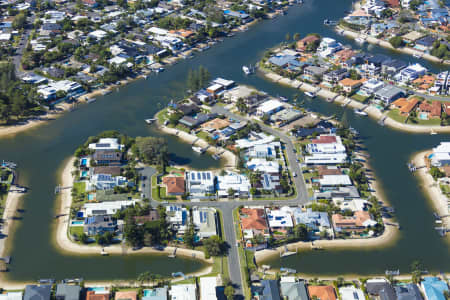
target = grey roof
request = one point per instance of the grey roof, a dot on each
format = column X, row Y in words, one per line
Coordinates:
column 69, row 292
column 408, row 292
column 311, row 218
column 35, row 292
column 294, row 290
column 388, row 91
column 345, row 192
column 271, row 291
column 382, row 288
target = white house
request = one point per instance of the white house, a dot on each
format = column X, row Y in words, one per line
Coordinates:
column 441, row 155
column 335, row 180
column 183, row 292
column 238, row 182
column 205, row 221
column 208, row 287
column 106, row 144
column 326, row 159
column 178, row 217
column 371, row 86
column 269, row 107
column 410, row 73
column 263, row 165
column 98, row 34
column 106, row 208
column 326, row 144
column 279, row 218
column 263, row 150
column 351, row 293
column 49, row 90
column 106, row 182
column 200, row 182
column 328, row 46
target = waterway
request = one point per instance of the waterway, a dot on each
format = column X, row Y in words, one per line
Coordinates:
column 41, row 152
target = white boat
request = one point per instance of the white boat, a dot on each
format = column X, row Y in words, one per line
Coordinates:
column 197, row 149
column 360, row 40
column 150, row 121
column 284, row 99
column 247, row 70
column 417, row 55
column 90, row 100
column 360, row 112
column 309, row 94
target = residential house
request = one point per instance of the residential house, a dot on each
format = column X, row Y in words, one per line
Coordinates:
column 381, row 288
column 373, row 65
column 326, row 144
column 392, row 66
column 327, row 181
column 280, row 221
column 94, row 295
column 49, row 91
column 153, row 215
column 441, row 155
column 322, row 292
column 334, row 76
column 302, row 44
column 387, row 94
column 434, row 288
column 107, row 157
column 208, row 286
column 433, row 110
column 358, row 222
column 266, row 290
column 425, row 43
column 293, row 290
column 284, row 61
column 196, row 121
column 349, row 85
column 178, row 218
column 253, row 223
column 11, row 296
column 67, row 292
column 285, row 116
column 371, row 86
column 328, row 46
column 269, row 182
column 263, row 165
column 269, row 107
column 159, row 293
column 359, row 17
column 314, row 73
column 205, row 221
column 99, row 224
column 238, row 183
column 405, row 106
column 106, row 208
column 215, row 124
column 352, row 205
column 33, row 292
column 351, row 293
column 110, row 170
column 125, row 295
column 315, row 221
column 106, row 144
column 106, row 182
column 412, row 36
column 267, row 151
column 410, row 73
column 346, row 192
column 408, row 291
column 200, row 182
column 183, row 292
column 175, row 185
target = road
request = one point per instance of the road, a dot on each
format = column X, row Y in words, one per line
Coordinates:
column 227, row 207
column 23, row 43
column 146, row 174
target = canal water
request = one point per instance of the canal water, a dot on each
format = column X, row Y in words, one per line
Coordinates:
column 41, row 152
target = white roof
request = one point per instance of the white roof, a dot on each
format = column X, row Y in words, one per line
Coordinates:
column 237, row 182
column 208, row 288
column 157, row 30
column 279, row 218
column 335, row 180
column 263, row 165
column 257, row 139
column 325, row 159
column 5, row 36
column 215, row 87
column 353, row 204
column 106, row 144
column 270, row 105
column 183, row 292
column 351, row 293
column 98, row 34
column 224, row 82
column 110, row 207
column 117, row 60
column 11, row 296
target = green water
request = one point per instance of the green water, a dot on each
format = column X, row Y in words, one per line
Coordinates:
column 41, row 152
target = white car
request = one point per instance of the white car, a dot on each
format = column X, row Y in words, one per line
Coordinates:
column 294, row 174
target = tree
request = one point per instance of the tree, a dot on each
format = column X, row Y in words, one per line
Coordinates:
column 230, row 192
column 229, row 292
column 153, row 150
column 287, row 36
column 189, row 236
column 416, row 271
column 396, row 41
column 301, row 232
column 19, row 21
column 133, row 233
column 214, row 246
column 296, row 36
column 436, row 173
column 83, row 238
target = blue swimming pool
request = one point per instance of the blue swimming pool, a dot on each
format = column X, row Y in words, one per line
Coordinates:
column 97, row 289
column 91, row 197
column 423, row 116
column 79, row 223
column 83, row 162
column 84, row 173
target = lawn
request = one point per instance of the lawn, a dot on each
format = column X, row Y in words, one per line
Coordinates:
column 78, row 230
column 360, row 98
column 162, row 115
column 203, row 135
column 435, row 122
column 395, row 115
column 445, row 189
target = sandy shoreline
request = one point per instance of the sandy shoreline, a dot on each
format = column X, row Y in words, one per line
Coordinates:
column 372, row 40
column 227, row 156
column 431, row 189
column 339, row 99
column 11, row 206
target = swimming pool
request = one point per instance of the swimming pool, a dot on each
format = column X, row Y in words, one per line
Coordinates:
column 77, row 223
column 97, row 289
column 90, row 197
column 84, row 173
column 83, row 162
column 423, row 116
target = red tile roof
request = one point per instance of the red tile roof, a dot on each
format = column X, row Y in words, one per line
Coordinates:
column 174, row 184
column 324, row 139
column 322, row 292
column 254, row 219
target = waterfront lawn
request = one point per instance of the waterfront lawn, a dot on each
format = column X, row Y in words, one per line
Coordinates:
column 203, row 135
column 430, row 122
column 76, row 230
column 182, row 128
column 396, row 116
column 162, row 115
column 79, row 191
column 445, row 189
column 360, row 98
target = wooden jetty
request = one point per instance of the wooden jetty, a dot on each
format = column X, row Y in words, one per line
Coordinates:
column 174, row 253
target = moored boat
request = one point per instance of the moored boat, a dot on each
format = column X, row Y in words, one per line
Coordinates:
column 310, row 94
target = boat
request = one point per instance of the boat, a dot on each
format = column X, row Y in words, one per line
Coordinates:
column 197, row 149
column 150, row 121
column 106, row 92
column 104, row 253
column 284, row 99
column 310, row 94
column 360, row 112
column 90, row 100
column 417, row 55
column 246, row 70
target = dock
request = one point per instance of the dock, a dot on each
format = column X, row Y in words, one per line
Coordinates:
column 195, row 141
column 6, row 259
column 287, row 252
column 381, row 121
column 174, row 254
